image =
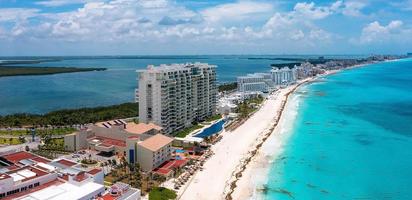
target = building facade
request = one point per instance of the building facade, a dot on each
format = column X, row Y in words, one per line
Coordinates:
column 258, row 82
column 174, row 96
column 283, row 76
column 150, row 153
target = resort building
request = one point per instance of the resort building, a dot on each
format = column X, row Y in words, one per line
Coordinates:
column 174, row 96
column 121, row 191
column 109, row 137
column 257, row 82
column 27, row 176
column 283, row 76
column 150, row 153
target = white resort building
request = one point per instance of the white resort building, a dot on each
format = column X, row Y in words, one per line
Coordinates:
column 174, row 96
column 283, row 76
column 26, row 176
column 257, row 82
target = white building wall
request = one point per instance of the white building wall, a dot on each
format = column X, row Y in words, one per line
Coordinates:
column 173, row 96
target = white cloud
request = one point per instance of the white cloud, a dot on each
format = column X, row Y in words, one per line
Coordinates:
column 297, row 35
column 309, row 10
column 243, row 10
column 320, row 35
column 57, row 3
column 403, row 5
column 17, row 14
column 375, row 32
column 353, row 8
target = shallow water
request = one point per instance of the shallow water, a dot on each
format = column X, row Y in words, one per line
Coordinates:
column 351, row 138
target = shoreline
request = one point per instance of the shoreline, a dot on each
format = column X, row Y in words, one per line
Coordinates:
column 256, row 172
column 241, row 186
column 233, row 152
column 223, row 174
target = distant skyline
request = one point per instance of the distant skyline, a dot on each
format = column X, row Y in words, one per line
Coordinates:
column 195, row 27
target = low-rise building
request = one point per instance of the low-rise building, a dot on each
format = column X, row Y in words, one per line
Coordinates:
column 24, row 175
column 109, row 137
column 151, row 152
column 121, row 191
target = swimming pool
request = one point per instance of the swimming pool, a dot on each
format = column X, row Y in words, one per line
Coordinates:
column 213, row 129
column 180, row 151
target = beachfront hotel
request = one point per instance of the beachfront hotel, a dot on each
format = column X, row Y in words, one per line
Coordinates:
column 174, row 96
column 257, row 82
column 283, row 76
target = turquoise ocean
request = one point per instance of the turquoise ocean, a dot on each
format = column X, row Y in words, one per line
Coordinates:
column 351, row 138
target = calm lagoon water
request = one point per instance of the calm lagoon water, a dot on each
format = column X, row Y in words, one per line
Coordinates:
column 351, row 138
column 40, row 94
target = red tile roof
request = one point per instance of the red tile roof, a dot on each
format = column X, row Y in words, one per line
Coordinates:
column 18, row 156
column 109, row 141
column 167, row 166
column 40, row 159
column 94, row 171
column 81, row 176
column 66, row 162
column 107, row 197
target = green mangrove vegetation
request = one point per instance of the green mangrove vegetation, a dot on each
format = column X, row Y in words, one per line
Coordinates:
column 71, row 116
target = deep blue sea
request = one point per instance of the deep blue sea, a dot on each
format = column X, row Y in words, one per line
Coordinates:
column 40, row 94
column 351, row 139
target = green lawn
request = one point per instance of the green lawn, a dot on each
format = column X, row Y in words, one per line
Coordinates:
column 11, row 141
column 56, row 131
column 54, row 144
column 187, row 130
column 213, row 118
column 161, row 193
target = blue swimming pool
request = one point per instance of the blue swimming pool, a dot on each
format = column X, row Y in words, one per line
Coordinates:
column 179, row 151
column 215, row 128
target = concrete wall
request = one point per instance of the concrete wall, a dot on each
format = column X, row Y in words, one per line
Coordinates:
column 145, row 158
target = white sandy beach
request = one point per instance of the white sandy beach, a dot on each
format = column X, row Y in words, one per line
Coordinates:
column 213, row 181
column 255, row 175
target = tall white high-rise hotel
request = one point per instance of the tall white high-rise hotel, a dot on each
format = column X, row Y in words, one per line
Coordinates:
column 174, row 96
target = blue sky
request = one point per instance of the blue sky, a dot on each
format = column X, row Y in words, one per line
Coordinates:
column 148, row 27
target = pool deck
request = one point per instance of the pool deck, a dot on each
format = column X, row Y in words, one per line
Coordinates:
column 195, row 132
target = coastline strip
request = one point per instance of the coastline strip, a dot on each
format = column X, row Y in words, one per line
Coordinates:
column 237, row 174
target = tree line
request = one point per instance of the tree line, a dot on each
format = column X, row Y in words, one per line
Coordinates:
column 68, row 117
column 227, row 87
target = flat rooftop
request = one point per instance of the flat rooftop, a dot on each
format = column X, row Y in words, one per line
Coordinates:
column 156, row 142
column 141, row 128
column 23, row 155
column 104, row 141
column 168, row 166
column 64, row 191
column 175, row 67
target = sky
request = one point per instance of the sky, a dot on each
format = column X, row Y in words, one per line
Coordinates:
column 197, row 27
